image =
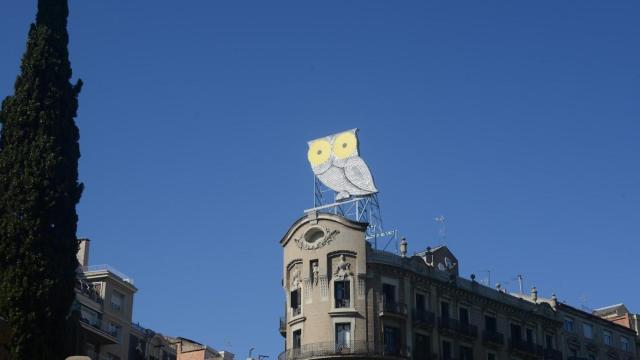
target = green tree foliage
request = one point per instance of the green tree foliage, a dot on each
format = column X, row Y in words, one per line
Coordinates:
column 39, row 190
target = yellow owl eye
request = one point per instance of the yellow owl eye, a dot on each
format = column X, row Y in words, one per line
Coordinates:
column 319, row 152
column 345, row 145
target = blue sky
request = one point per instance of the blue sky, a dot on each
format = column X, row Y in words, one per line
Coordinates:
column 517, row 121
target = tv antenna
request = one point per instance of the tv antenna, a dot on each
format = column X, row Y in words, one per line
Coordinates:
column 442, row 228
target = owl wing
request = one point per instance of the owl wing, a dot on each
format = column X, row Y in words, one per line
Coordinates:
column 358, row 173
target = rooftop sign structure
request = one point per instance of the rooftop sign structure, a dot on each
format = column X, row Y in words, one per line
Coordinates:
column 335, row 161
column 343, row 184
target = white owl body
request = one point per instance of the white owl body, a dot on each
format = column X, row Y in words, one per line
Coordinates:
column 335, row 161
column 336, row 179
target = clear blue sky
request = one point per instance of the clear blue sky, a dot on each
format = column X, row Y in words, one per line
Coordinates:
column 518, row 121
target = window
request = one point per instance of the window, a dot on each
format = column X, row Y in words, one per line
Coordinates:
column 388, row 293
column 391, row 340
column 466, row 353
column 422, row 347
column 89, row 316
column 548, row 341
column 297, row 339
column 490, row 324
column 115, row 330
column 446, row 350
column 624, row 344
column 421, row 303
column 343, row 335
column 463, row 313
column 117, row 301
column 568, row 324
column 516, row 332
column 587, row 330
column 444, row 310
column 341, row 292
column 530, row 336
column 296, row 302
column 606, row 338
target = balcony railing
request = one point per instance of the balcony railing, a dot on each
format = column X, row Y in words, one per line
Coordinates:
column 458, row 327
column 88, row 290
column 392, row 307
column 493, row 337
column 343, row 303
column 283, row 326
column 352, row 348
column 526, row 347
column 96, row 323
column 552, row 354
column 296, row 311
column 424, row 317
column 109, row 268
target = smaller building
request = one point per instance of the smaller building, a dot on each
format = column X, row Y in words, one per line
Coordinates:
column 587, row 336
column 187, row 349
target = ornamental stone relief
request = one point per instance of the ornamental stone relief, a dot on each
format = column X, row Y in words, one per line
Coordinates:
column 343, row 269
column 315, row 238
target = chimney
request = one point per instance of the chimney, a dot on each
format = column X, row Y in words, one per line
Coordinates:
column 83, row 252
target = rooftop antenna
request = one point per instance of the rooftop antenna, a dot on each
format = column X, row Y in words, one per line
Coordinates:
column 486, row 281
column 520, row 283
column 442, row 228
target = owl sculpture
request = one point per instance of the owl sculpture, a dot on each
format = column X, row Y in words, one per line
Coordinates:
column 334, row 160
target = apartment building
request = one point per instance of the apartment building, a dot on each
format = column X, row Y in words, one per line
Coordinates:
column 187, row 349
column 346, row 299
column 146, row 344
column 104, row 298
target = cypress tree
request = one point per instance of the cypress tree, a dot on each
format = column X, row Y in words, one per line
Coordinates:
column 39, row 190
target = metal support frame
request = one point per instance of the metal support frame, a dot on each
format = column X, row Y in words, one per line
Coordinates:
column 364, row 209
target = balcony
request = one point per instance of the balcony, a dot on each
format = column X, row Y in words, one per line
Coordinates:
column 356, row 349
column 296, row 311
column 283, row 326
column 552, row 354
column 94, row 332
column 526, row 348
column 492, row 338
column 457, row 328
column 393, row 308
column 424, row 318
column 109, row 269
column 88, row 290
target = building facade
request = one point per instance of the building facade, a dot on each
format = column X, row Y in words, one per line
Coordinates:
column 104, row 298
column 346, row 299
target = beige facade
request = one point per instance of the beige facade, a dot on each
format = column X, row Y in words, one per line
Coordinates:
column 345, row 299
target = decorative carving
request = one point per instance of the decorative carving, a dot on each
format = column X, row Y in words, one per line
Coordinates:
column 361, row 285
column 343, row 269
column 324, row 287
column 295, row 279
column 316, row 273
column 329, row 236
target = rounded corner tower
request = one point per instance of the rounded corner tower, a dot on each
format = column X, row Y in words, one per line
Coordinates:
column 324, row 270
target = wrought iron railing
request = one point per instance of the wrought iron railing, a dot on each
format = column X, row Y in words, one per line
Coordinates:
column 424, row 317
column 283, row 325
column 526, row 346
column 343, row 303
column 351, row 348
column 493, row 337
column 466, row 329
column 552, row 354
column 393, row 307
column 296, row 311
